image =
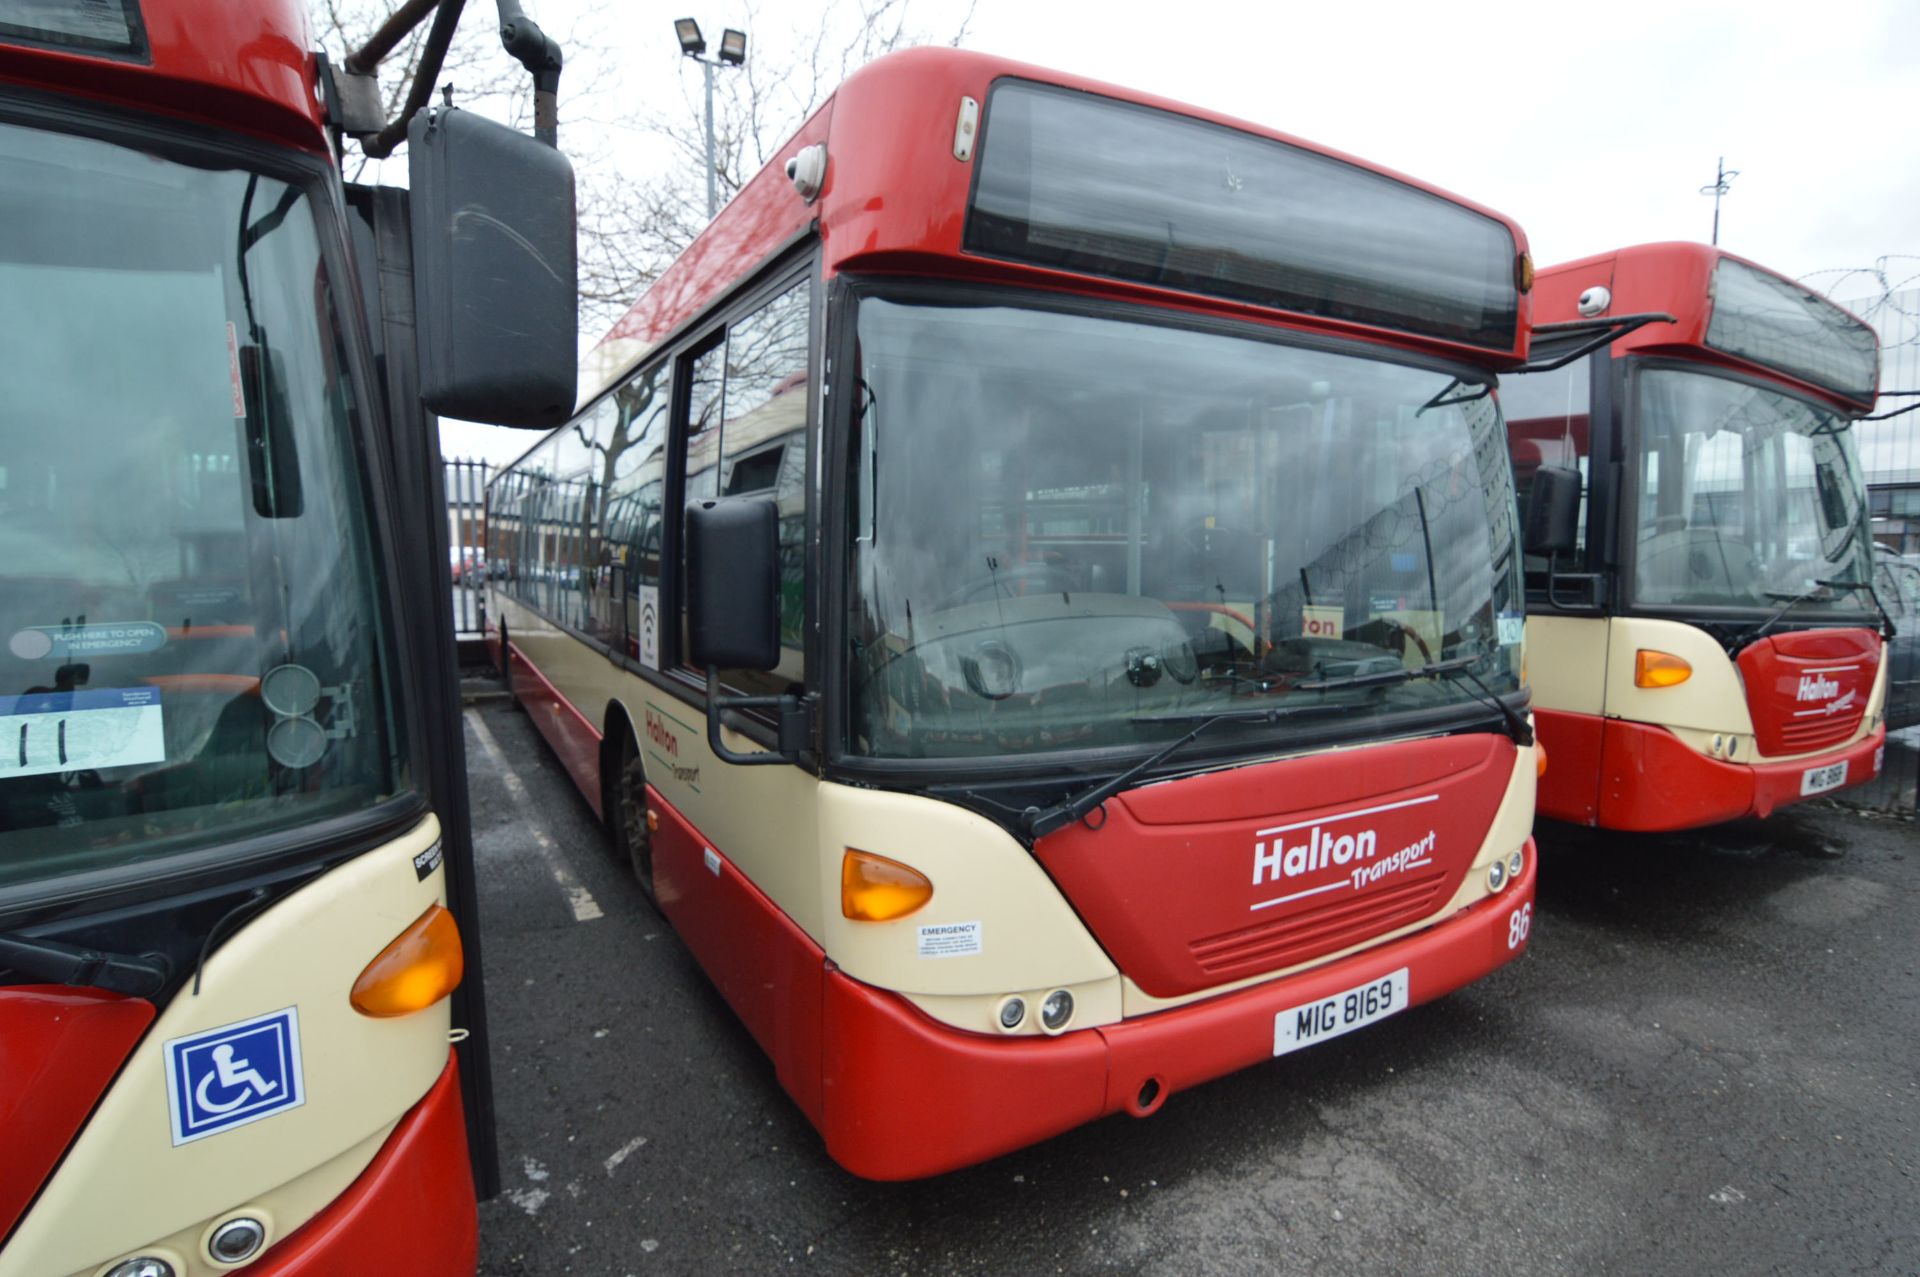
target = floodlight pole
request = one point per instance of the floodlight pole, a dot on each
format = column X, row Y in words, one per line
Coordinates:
column 733, row 52
column 713, row 204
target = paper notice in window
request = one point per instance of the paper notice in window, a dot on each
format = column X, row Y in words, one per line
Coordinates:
column 47, row 732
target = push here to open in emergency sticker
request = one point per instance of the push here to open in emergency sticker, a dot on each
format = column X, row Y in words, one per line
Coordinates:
column 949, row 939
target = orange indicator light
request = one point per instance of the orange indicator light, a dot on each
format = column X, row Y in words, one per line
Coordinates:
column 1659, row 669
column 875, row 889
column 1539, row 759
column 423, row 965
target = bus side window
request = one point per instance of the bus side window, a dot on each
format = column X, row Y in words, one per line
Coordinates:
column 700, row 427
column 1548, row 417
column 635, row 469
column 763, row 452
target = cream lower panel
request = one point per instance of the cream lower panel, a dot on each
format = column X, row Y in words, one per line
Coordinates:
column 277, row 1210
column 1711, row 700
column 582, row 674
column 1021, row 932
column 1094, row 1002
column 763, row 819
column 1507, row 832
column 124, row 1184
column 1567, row 663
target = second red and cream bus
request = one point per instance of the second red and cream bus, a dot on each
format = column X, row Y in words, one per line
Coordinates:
column 1708, row 645
column 1036, row 594
column 240, row 1014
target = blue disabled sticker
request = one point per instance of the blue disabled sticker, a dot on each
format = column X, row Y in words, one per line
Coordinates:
column 233, row 1075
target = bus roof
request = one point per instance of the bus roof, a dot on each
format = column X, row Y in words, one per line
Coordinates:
column 898, row 115
column 1791, row 332
column 239, row 64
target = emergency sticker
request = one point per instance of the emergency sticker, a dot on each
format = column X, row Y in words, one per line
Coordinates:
column 1513, row 627
column 950, row 940
column 124, row 638
column 47, row 732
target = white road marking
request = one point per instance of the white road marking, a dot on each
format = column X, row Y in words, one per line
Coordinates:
column 625, row 1151
column 579, row 899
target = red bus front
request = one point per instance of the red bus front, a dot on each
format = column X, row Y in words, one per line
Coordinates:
column 1712, row 648
column 1140, row 542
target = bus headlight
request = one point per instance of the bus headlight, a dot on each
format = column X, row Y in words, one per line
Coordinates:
column 143, row 1266
column 1515, row 863
column 1056, row 1011
column 1496, row 875
column 1012, row 1012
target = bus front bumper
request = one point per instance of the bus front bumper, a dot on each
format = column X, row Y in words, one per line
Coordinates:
column 411, row 1211
column 905, row 1096
column 1650, row 781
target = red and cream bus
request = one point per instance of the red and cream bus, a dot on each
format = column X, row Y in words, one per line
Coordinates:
column 1035, row 593
column 1706, row 644
column 236, row 895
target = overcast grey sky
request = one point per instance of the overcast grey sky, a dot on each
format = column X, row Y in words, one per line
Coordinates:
column 1593, row 125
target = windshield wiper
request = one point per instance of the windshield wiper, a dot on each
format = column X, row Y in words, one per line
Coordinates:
column 1041, row 821
column 1789, row 601
column 138, row 976
column 1384, row 678
column 1516, row 726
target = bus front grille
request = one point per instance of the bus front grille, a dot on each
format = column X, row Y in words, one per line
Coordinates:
column 1310, row 932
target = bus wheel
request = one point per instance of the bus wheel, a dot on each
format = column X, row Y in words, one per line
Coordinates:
column 630, row 817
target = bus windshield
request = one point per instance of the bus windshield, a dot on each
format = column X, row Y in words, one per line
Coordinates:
column 191, row 643
column 1080, row 532
column 1747, row 497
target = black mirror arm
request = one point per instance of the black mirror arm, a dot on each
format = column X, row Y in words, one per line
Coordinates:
column 538, row 52
column 1588, row 335
column 795, row 718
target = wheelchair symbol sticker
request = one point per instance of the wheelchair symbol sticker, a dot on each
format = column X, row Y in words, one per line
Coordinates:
column 233, row 1075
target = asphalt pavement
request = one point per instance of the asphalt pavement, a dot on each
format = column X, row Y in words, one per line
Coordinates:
column 1705, row 1064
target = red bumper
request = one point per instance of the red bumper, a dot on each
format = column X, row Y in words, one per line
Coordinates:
column 905, row 1096
column 411, row 1211
column 1650, row 781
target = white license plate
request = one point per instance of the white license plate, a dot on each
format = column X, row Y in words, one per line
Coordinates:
column 1818, row 780
column 1344, row 1012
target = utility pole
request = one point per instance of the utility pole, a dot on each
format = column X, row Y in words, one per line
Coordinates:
column 733, row 53
column 1722, row 183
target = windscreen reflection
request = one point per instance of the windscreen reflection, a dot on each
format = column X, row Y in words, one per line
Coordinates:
column 1071, row 531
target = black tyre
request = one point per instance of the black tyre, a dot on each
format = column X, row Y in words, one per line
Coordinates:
column 627, row 816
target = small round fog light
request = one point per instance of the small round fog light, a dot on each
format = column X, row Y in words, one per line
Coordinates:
column 1012, row 1012
column 1056, row 1011
column 1515, row 863
column 144, row 1266
column 1496, row 875
column 237, row 1240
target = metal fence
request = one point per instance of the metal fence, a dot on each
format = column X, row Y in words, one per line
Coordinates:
column 466, row 484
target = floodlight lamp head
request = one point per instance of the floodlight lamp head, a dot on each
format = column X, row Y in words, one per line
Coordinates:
column 692, row 43
column 733, row 47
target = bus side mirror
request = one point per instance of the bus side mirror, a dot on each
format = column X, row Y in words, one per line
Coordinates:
column 733, row 618
column 495, row 281
column 1552, row 522
column 733, row 584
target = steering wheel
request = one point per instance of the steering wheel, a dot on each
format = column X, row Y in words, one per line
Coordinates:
column 1050, row 578
column 1426, row 653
